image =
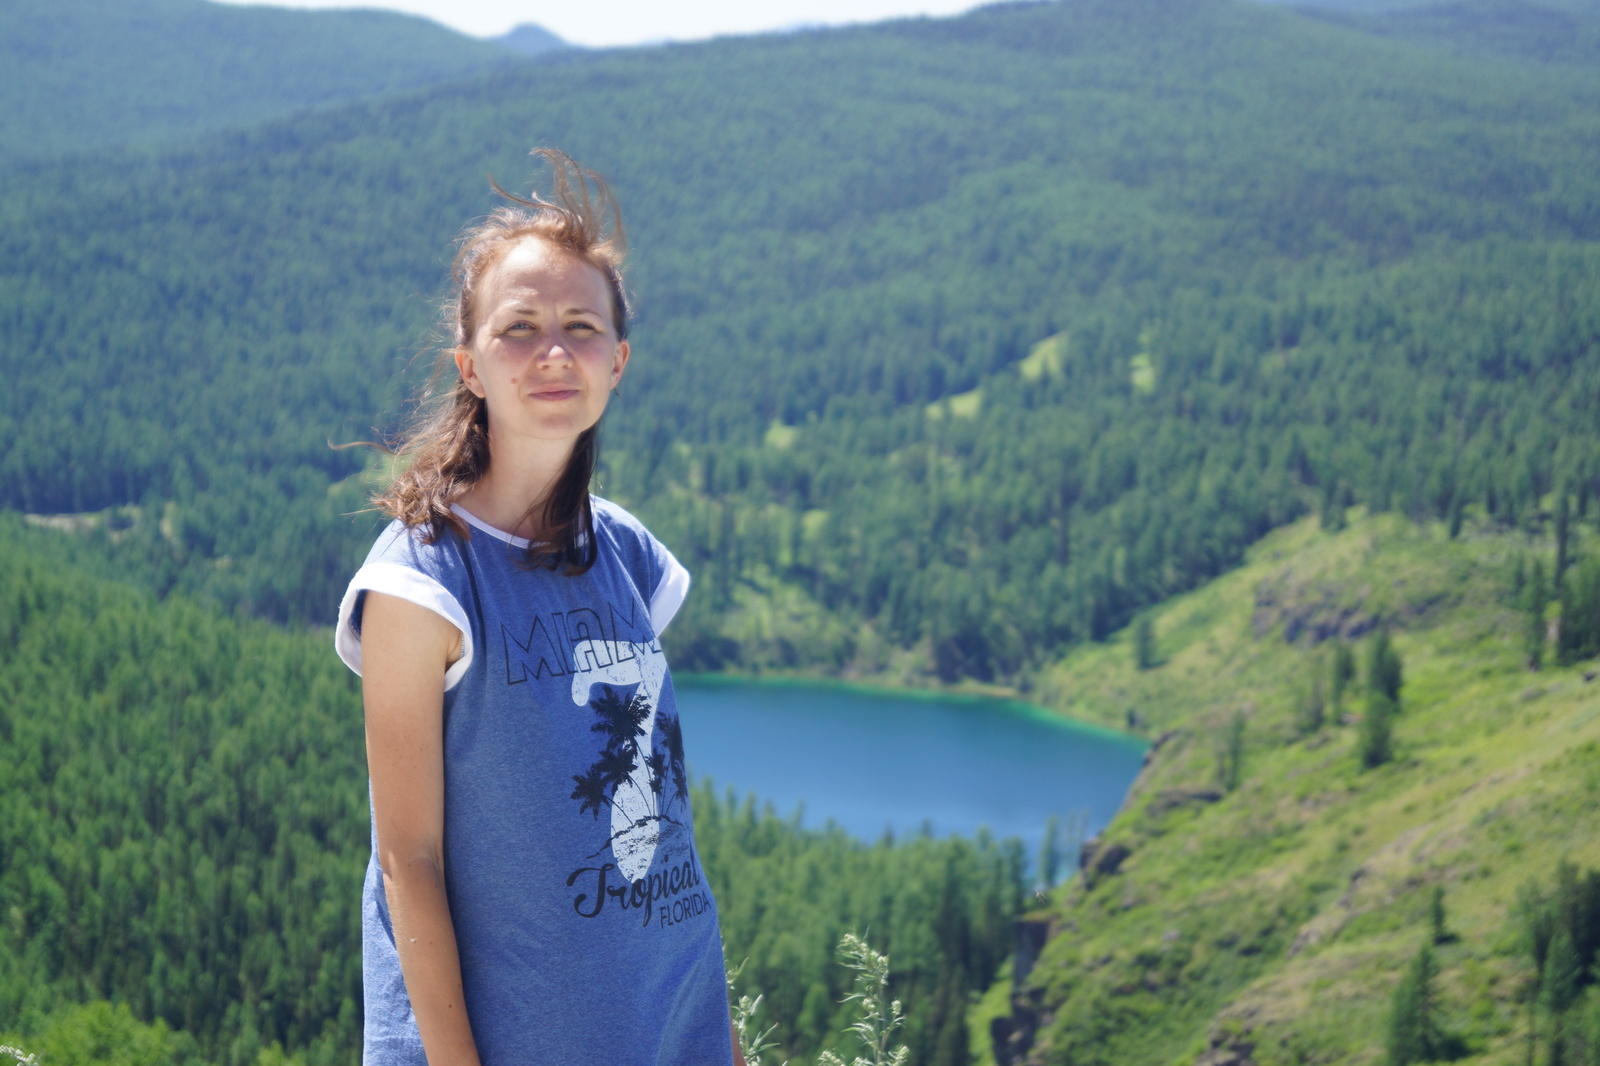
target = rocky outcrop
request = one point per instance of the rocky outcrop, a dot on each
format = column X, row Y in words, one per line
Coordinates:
column 1316, row 614
column 1171, row 799
column 1101, row 858
column 1013, row 1034
column 1227, row 1045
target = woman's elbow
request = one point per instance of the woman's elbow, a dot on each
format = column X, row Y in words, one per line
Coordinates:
column 420, row 863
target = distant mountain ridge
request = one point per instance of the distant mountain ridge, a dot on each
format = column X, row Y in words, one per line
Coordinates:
column 85, row 75
column 531, row 39
column 82, row 75
column 1544, row 32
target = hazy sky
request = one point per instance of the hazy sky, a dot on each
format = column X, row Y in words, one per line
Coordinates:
column 617, row 22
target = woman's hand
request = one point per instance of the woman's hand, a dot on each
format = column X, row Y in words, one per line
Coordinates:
column 405, row 650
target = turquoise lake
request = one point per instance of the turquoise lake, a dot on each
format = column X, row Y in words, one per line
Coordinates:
column 871, row 761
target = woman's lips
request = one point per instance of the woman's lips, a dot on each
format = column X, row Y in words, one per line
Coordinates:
column 555, row 394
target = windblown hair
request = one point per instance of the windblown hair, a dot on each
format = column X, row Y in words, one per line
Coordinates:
column 448, row 443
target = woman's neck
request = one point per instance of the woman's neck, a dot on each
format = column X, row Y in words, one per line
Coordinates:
column 521, row 475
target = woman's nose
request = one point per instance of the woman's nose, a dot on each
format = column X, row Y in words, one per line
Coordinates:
column 556, row 353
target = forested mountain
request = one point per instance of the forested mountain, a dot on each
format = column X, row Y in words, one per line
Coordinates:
column 959, row 339
column 82, row 76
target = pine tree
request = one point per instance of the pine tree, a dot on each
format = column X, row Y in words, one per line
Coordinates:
column 1344, row 671
column 1050, row 853
column 1563, row 535
column 1563, row 974
column 1333, row 506
column 1436, row 916
column 1385, row 672
column 1313, row 707
column 1579, row 636
column 1144, row 644
column 1413, row 1032
column 1534, row 603
column 1587, row 1028
column 1377, row 730
column 1578, row 899
column 1230, row 753
column 1537, row 917
column 795, row 538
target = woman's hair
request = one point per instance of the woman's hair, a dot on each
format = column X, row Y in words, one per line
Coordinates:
column 448, row 443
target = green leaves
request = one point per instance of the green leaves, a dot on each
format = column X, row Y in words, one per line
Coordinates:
column 877, row 1016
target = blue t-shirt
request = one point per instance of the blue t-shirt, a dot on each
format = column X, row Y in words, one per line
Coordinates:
column 586, row 928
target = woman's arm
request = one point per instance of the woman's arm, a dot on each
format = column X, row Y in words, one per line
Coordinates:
column 405, row 650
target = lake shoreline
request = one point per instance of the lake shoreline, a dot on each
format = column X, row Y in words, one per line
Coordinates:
column 1002, row 697
column 872, row 758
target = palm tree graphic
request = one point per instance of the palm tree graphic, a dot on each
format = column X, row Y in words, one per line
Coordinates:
column 621, row 720
column 672, row 741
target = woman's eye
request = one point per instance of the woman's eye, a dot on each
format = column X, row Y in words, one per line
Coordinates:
column 582, row 326
column 519, row 327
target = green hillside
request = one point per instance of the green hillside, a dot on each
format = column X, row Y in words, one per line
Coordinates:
column 1272, row 921
column 83, row 76
column 1272, row 262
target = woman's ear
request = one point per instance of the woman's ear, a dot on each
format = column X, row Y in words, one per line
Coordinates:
column 469, row 371
column 619, row 363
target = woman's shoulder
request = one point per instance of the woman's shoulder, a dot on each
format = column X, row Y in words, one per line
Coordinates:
column 414, row 545
column 408, row 563
column 412, row 562
column 615, row 517
column 662, row 581
column 613, row 523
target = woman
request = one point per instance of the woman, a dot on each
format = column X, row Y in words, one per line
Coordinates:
column 534, row 894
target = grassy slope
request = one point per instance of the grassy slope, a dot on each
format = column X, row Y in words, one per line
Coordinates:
column 1286, row 911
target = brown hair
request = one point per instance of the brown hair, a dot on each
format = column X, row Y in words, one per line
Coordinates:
column 448, row 442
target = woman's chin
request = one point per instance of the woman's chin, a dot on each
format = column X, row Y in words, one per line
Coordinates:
column 554, row 428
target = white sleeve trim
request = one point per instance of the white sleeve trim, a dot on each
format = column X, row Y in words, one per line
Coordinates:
column 395, row 580
column 669, row 594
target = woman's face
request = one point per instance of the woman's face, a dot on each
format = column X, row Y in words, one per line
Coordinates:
column 545, row 354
